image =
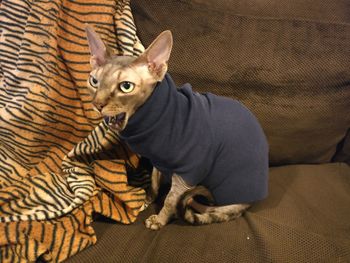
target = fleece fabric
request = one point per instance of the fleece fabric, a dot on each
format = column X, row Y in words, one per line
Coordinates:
column 59, row 164
column 206, row 139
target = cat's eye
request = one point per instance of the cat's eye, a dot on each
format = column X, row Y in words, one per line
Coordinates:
column 126, row 86
column 93, row 81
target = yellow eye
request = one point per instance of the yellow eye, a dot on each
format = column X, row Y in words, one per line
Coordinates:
column 126, row 86
column 93, row 81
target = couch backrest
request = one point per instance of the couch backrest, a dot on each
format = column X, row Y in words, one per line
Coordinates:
column 288, row 61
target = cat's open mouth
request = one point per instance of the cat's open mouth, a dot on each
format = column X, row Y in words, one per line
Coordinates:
column 117, row 122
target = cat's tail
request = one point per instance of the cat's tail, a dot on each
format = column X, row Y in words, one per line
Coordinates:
column 188, row 205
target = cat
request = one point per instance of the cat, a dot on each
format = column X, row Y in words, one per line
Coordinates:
column 206, row 145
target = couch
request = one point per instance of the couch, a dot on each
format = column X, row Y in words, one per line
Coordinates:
column 288, row 61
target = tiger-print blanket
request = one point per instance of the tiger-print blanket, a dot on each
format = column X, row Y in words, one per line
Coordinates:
column 59, row 163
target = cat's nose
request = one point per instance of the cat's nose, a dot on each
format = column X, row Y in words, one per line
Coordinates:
column 99, row 105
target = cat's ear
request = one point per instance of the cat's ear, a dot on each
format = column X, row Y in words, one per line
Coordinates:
column 158, row 54
column 98, row 50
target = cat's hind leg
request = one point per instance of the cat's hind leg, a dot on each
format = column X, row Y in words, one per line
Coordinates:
column 197, row 213
column 152, row 192
column 153, row 189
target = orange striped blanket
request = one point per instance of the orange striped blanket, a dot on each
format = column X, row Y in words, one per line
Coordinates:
column 59, row 163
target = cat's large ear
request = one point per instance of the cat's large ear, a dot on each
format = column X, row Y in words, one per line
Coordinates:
column 158, row 54
column 98, row 50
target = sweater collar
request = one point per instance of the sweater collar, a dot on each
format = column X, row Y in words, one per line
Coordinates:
column 153, row 110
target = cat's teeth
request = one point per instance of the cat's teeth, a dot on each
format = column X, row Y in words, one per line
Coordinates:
column 117, row 120
column 111, row 120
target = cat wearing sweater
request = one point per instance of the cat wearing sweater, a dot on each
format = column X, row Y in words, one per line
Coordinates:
column 206, row 145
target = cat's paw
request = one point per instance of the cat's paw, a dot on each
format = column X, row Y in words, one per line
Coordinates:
column 154, row 223
column 196, row 218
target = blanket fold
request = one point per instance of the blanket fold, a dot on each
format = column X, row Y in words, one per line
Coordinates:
column 59, row 162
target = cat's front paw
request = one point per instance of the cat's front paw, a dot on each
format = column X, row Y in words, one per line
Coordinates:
column 154, row 223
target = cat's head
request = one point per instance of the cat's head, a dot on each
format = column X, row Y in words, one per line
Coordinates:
column 121, row 84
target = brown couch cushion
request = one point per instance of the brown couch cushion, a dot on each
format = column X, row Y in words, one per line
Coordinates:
column 343, row 154
column 306, row 218
column 288, row 61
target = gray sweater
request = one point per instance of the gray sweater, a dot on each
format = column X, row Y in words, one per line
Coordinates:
column 206, row 139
